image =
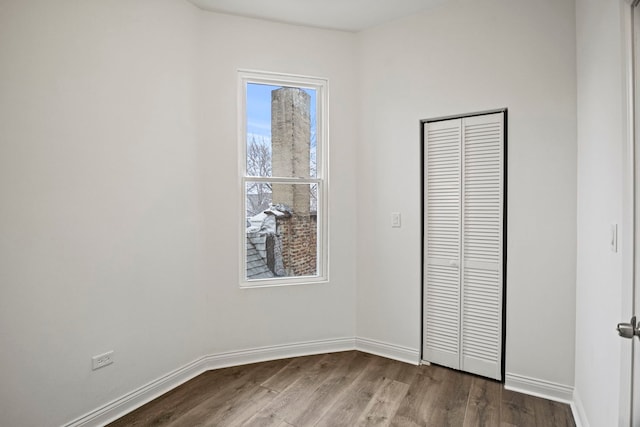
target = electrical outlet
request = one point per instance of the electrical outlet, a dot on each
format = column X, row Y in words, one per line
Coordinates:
column 102, row 360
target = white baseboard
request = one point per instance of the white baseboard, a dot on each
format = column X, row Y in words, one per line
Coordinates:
column 390, row 351
column 264, row 354
column 540, row 388
column 579, row 414
column 133, row 400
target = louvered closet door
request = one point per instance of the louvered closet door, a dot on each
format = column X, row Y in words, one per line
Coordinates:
column 463, row 243
column 442, row 246
column 482, row 219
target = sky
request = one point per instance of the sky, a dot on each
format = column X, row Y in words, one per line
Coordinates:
column 259, row 110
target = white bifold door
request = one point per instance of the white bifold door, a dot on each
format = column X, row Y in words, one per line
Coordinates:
column 463, row 243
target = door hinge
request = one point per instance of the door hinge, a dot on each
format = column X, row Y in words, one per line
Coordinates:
column 629, row 330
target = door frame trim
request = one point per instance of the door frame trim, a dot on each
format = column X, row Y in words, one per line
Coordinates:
column 629, row 206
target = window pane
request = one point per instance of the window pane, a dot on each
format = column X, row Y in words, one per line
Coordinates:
column 281, row 239
column 281, row 131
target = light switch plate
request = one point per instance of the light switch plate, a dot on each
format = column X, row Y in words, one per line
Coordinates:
column 395, row 220
column 613, row 238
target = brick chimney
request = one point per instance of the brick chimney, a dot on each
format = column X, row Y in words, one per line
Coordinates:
column 290, row 146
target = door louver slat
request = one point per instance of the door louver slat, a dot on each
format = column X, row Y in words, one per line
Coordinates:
column 482, row 242
column 443, row 224
column 463, row 243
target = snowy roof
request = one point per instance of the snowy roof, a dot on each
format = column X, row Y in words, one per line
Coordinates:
column 256, row 265
column 264, row 222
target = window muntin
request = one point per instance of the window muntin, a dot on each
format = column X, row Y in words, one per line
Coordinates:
column 283, row 146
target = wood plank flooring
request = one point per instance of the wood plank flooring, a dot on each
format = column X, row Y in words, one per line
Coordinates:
column 344, row 389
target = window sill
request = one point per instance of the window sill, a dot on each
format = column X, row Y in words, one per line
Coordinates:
column 276, row 283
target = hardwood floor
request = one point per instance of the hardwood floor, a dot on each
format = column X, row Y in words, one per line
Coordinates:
column 344, row 389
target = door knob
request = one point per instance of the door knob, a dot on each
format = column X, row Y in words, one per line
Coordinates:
column 629, row 330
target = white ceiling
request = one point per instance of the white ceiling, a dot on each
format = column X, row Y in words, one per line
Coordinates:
column 346, row 15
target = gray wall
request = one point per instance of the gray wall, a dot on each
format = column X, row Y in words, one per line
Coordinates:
column 456, row 58
column 120, row 216
column 600, row 287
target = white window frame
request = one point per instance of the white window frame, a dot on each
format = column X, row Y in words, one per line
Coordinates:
column 320, row 85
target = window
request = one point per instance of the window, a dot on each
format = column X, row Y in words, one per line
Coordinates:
column 283, row 145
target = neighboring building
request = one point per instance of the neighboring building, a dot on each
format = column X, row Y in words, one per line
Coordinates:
column 281, row 243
